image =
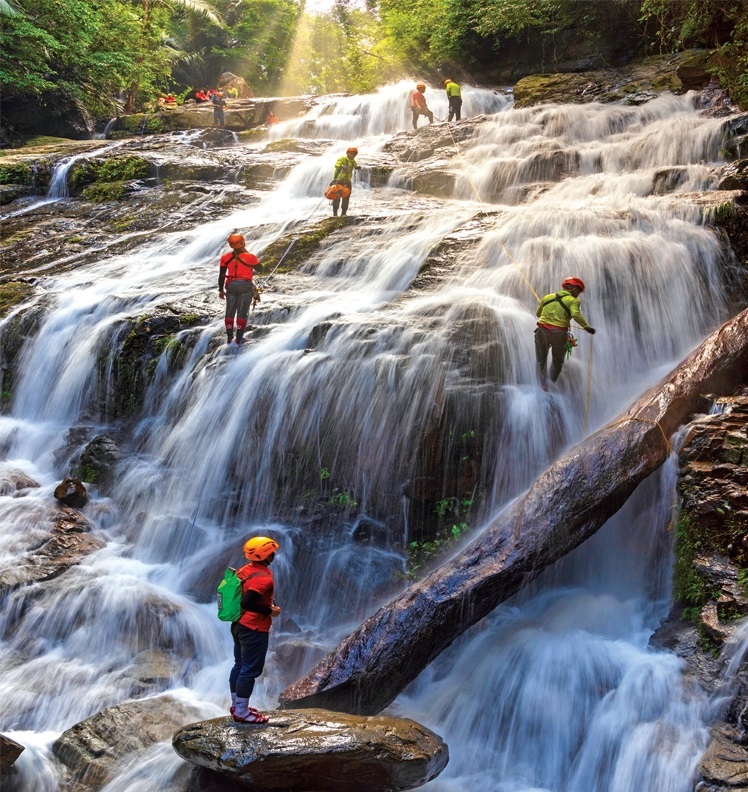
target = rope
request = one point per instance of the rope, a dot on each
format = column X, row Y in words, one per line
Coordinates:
column 192, row 527
column 589, row 388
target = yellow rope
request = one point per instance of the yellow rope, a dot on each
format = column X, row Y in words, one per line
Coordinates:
column 589, row 389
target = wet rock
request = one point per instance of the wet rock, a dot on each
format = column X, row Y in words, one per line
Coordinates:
column 725, row 762
column 72, row 493
column 734, row 176
column 65, row 545
column 229, row 80
column 13, row 480
column 150, row 672
column 10, row 750
column 98, row 462
column 695, row 70
column 93, row 748
column 316, row 750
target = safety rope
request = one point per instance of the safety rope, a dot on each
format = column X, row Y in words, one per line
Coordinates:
column 529, row 285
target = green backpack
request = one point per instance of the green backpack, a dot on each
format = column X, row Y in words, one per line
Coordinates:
column 229, row 595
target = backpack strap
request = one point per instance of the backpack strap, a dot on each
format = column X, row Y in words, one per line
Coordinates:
column 559, row 299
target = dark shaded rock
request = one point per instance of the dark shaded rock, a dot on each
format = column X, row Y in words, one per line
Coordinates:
column 93, row 747
column 314, row 750
column 695, row 70
column 734, row 176
column 98, row 461
column 72, row 493
column 10, row 750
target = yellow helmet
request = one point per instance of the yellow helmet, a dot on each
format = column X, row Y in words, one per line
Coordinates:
column 258, row 548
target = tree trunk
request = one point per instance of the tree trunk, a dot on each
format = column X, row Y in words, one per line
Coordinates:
column 565, row 506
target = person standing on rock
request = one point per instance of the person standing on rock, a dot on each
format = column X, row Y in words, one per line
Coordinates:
column 251, row 632
column 418, row 105
column 343, row 175
column 555, row 313
column 219, row 103
column 454, row 97
column 235, row 274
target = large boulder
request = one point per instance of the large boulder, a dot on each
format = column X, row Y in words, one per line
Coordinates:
column 10, row 750
column 13, row 481
column 315, row 749
column 94, row 747
column 72, row 493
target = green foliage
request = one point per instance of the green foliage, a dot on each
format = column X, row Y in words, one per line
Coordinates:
column 11, row 294
column 113, row 169
column 705, row 23
column 342, row 499
column 422, row 554
column 688, row 586
column 16, row 173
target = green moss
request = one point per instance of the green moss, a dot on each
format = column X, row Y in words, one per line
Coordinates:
column 11, row 294
column 17, row 173
column 689, row 587
column 113, row 169
column 102, row 192
column 304, row 246
column 87, row 473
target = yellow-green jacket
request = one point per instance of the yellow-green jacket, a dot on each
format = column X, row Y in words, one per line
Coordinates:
column 551, row 310
column 344, row 168
column 452, row 89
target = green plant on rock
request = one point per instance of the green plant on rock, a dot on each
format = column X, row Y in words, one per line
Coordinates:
column 16, row 173
column 343, row 500
column 103, row 192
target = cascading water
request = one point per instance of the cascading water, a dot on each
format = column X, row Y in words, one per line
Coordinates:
column 556, row 691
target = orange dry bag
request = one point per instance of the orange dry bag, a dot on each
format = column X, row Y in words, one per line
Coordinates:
column 337, row 191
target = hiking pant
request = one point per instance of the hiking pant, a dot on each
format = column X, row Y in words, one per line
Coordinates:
column 218, row 117
column 239, row 294
column 455, row 107
column 555, row 340
column 336, row 204
column 417, row 111
column 250, row 648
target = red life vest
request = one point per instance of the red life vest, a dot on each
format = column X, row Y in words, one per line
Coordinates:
column 239, row 266
column 259, row 578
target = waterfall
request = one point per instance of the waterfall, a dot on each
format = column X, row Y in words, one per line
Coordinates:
column 557, row 690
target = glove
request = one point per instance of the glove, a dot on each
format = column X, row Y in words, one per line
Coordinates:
column 590, row 330
column 221, row 295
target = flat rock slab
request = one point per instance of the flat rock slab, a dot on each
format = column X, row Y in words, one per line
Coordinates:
column 315, row 749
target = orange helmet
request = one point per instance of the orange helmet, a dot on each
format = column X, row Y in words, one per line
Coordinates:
column 259, row 548
column 420, row 87
column 575, row 282
column 449, row 79
column 236, row 241
column 352, row 150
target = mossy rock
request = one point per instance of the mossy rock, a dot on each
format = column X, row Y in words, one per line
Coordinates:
column 11, row 294
column 140, row 123
column 103, row 192
column 16, row 173
column 111, row 169
column 303, row 246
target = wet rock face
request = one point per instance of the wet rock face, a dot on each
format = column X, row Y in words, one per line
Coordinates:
column 316, row 750
column 66, row 544
column 72, row 493
column 10, row 750
column 93, row 747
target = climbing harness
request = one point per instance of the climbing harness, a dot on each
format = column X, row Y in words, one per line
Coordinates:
column 571, row 342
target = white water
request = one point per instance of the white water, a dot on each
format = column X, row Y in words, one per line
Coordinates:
column 556, row 691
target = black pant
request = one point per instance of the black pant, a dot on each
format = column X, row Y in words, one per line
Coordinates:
column 417, row 111
column 555, row 340
column 239, row 294
column 455, row 107
column 250, row 649
column 336, row 201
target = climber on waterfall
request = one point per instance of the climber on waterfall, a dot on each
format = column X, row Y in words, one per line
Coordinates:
column 235, row 273
column 454, row 97
column 555, row 313
column 342, row 177
column 418, row 105
column 251, row 632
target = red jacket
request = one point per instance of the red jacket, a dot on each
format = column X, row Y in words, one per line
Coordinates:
column 239, row 266
column 259, row 578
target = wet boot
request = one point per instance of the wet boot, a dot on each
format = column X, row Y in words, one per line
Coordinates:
column 240, row 337
column 229, row 336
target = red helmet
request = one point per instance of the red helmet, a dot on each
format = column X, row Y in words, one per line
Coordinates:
column 259, row 548
column 236, row 241
column 575, row 282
